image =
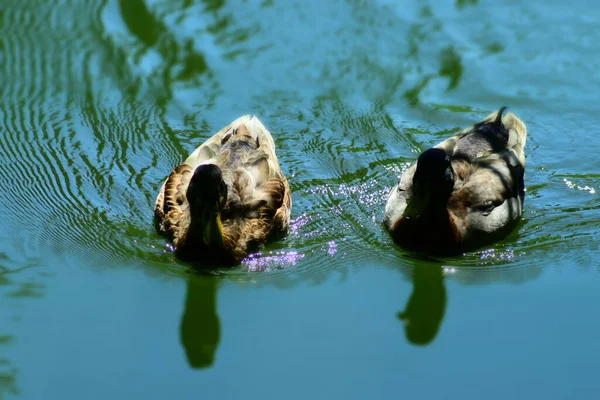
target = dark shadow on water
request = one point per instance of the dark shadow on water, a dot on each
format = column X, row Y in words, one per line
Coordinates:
column 426, row 306
column 200, row 329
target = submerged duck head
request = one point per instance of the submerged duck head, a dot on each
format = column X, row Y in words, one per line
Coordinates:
column 207, row 195
column 432, row 183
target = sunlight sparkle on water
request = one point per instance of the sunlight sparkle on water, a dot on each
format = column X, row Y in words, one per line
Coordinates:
column 585, row 188
column 297, row 223
column 368, row 193
column 398, row 168
column 260, row 262
column 491, row 255
column 332, row 248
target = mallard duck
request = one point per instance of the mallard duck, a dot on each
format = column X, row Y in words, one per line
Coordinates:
column 228, row 197
column 463, row 193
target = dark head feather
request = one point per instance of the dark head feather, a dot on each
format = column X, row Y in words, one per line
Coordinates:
column 432, row 164
column 207, row 185
column 434, row 170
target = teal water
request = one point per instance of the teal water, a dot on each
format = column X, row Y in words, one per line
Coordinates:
column 100, row 99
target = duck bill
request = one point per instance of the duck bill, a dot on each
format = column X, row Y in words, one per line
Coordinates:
column 417, row 204
column 212, row 233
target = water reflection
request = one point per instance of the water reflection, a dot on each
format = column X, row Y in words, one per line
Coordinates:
column 451, row 65
column 464, row 3
column 425, row 309
column 8, row 373
column 200, row 329
column 16, row 284
column 178, row 60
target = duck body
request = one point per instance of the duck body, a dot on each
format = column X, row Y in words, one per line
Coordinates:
column 227, row 198
column 465, row 192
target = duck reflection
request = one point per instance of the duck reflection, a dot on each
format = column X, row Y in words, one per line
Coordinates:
column 200, row 329
column 424, row 312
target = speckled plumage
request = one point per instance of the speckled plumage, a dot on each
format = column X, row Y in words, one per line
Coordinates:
column 258, row 201
column 486, row 201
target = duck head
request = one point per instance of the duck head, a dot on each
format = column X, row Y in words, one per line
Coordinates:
column 207, row 195
column 433, row 182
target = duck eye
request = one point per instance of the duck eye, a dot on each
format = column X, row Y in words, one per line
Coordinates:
column 487, row 207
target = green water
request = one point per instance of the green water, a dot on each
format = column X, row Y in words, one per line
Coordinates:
column 99, row 99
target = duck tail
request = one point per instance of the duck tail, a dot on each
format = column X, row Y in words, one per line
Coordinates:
column 498, row 120
column 261, row 133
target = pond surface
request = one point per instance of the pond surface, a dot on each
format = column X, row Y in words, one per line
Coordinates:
column 100, row 99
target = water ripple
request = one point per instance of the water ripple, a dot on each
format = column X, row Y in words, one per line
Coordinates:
column 95, row 125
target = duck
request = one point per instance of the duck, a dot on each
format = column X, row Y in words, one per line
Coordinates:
column 228, row 198
column 464, row 192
